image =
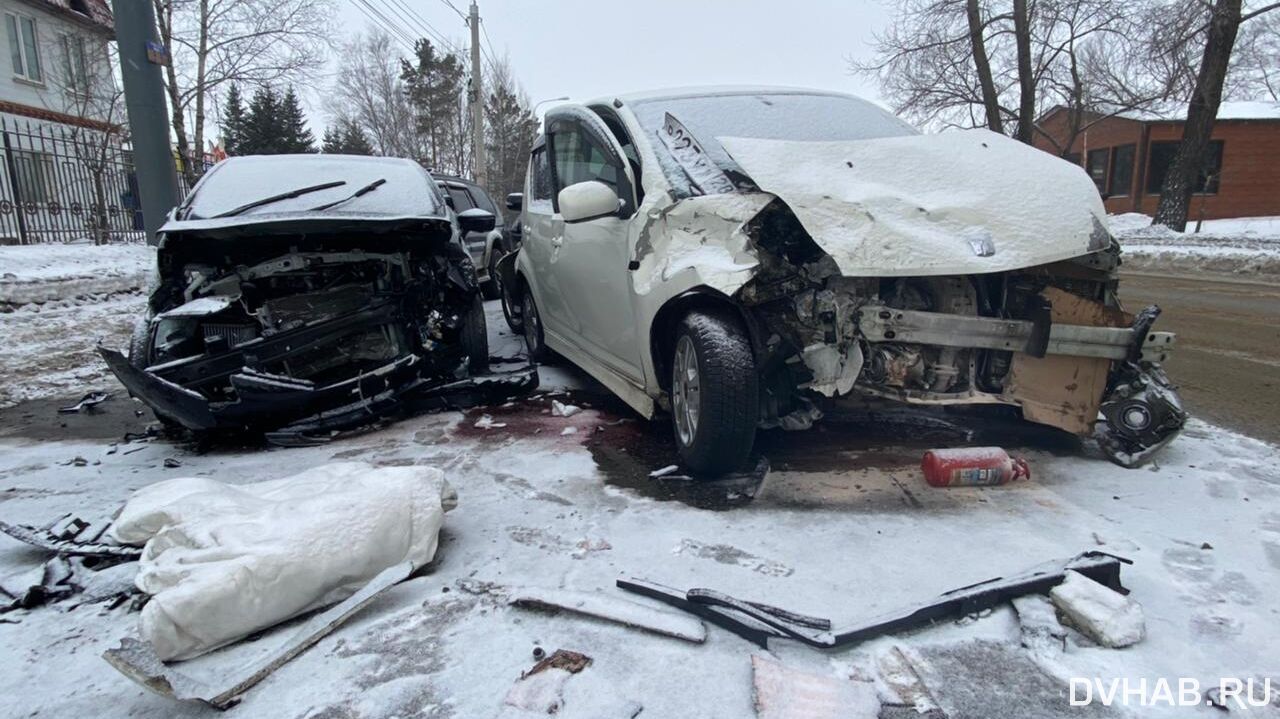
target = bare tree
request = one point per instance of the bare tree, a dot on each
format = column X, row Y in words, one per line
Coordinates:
column 254, row 43
column 368, row 89
column 1220, row 32
column 510, row 127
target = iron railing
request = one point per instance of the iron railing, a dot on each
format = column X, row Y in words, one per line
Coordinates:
column 61, row 183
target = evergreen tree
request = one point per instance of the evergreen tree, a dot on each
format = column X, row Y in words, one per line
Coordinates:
column 346, row 137
column 354, row 139
column 510, row 129
column 233, row 123
column 433, row 85
column 295, row 137
column 262, row 128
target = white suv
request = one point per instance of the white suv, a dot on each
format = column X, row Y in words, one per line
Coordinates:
column 741, row 256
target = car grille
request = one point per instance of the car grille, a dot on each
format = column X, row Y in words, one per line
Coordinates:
column 233, row 334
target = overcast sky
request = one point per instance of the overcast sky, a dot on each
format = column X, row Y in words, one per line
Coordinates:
column 588, row 48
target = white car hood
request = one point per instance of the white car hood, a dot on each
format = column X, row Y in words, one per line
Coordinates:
column 930, row 204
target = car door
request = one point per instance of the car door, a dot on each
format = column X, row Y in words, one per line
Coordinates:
column 590, row 264
column 542, row 232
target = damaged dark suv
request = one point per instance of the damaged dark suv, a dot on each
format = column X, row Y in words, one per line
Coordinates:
column 307, row 293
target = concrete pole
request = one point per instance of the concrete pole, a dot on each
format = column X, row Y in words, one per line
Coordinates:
column 148, row 114
column 478, row 171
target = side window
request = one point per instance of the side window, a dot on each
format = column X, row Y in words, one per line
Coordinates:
column 483, row 202
column 461, row 198
column 540, row 183
column 578, row 159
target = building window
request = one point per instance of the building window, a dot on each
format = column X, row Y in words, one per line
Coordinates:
column 1098, row 167
column 1162, row 154
column 1122, row 171
column 34, row 172
column 23, row 50
column 74, row 66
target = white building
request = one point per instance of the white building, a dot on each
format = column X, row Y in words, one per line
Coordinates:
column 65, row 173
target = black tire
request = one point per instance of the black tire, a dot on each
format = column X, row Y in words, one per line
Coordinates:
column 475, row 338
column 726, row 395
column 532, row 329
column 140, row 357
column 492, row 287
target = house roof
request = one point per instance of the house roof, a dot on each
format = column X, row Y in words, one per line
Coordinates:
column 1230, row 110
column 1177, row 112
column 95, row 13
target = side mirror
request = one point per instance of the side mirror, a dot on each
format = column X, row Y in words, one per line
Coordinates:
column 588, row 200
column 476, row 220
column 515, row 201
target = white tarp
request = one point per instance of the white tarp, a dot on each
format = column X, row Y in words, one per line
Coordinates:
column 930, row 204
column 224, row 561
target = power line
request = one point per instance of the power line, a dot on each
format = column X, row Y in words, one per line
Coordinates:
column 455, row 9
column 411, row 17
column 383, row 23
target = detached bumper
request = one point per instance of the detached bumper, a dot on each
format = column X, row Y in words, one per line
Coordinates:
column 289, row 411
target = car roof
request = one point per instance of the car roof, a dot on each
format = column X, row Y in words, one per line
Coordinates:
column 710, row 91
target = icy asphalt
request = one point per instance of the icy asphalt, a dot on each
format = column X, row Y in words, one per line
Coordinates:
column 842, row 527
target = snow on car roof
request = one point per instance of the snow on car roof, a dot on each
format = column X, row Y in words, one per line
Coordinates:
column 669, row 93
column 408, row 191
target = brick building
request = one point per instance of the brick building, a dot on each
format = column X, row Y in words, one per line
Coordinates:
column 1127, row 157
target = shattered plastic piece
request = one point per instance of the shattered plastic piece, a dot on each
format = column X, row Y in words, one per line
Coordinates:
column 540, row 689
column 669, row 469
column 781, row 692
column 45, row 539
column 486, row 422
column 1105, row 616
column 222, row 562
column 760, row 622
column 89, row 401
column 621, row 611
column 138, row 661
column 560, row 409
column 568, row 431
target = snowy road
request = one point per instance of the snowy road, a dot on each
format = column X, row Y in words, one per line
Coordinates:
column 843, row 527
column 1226, row 364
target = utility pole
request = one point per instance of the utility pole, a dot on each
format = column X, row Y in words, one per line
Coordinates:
column 141, row 56
column 477, row 101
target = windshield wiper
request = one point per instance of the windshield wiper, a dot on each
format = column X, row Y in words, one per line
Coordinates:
column 282, row 196
column 358, row 193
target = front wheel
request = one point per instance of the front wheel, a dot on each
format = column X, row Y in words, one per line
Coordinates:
column 715, row 401
column 532, row 321
column 475, row 338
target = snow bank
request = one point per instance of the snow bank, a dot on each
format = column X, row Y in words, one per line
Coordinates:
column 36, row 274
column 1247, row 246
column 223, row 561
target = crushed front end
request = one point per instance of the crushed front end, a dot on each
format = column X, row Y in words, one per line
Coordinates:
column 299, row 333
column 1051, row 339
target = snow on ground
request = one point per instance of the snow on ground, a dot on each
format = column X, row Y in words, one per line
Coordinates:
column 1248, row 246
column 842, row 527
column 53, row 273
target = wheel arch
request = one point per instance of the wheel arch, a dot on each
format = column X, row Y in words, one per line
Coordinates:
column 662, row 329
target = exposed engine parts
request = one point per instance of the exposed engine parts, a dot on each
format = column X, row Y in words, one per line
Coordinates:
column 963, row 339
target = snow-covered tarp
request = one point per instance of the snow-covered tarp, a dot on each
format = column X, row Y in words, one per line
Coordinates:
column 222, row 561
column 953, row 203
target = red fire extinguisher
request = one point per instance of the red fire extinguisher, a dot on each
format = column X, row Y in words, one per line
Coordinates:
column 972, row 467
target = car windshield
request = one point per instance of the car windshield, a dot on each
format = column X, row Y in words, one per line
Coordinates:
column 769, row 116
column 405, row 188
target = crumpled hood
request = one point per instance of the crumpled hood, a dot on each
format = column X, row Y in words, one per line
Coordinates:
column 953, row 203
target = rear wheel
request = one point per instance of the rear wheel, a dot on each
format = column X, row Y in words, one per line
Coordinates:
column 532, row 321
column 475, row 338
column 714, row 393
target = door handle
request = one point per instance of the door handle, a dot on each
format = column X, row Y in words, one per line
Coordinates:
column 557, row 241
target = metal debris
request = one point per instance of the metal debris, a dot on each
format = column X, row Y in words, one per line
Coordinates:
column 620, row 611
column 70, row 536
column 87, row 402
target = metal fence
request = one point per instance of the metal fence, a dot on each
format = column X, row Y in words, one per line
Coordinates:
column 60, row 183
